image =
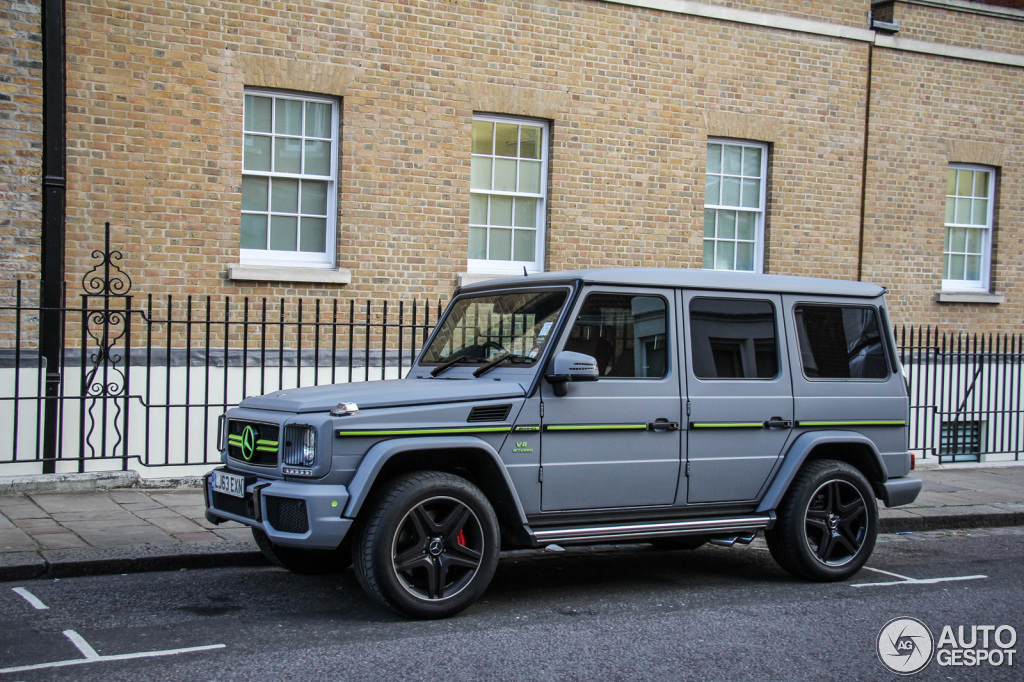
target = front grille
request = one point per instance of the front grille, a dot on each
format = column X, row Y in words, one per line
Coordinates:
column 286, row 514
column 253, row 442
column 489, row 413
column 233, row 505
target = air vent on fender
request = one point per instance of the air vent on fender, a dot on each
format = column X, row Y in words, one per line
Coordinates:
column 489, row 413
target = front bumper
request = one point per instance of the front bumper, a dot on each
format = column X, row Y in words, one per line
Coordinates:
column 302, row 515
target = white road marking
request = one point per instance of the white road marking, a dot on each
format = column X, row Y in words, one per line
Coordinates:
column 30, row 598
column 91, row 656
column 894, row 575
column 922, row 581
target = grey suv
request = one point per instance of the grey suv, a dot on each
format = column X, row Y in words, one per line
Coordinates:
column 666, row 406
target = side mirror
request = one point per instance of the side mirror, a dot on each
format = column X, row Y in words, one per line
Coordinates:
column 569, row 366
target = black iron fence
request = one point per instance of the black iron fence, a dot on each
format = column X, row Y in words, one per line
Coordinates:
column 145, row 378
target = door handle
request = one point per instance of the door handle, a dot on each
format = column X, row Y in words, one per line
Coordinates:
column 778, row 423
column 662, row 424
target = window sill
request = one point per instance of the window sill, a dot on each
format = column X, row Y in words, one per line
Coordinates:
column 273, row 273
column 969, row 297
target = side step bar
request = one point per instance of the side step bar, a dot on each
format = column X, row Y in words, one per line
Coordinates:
column 738, row 526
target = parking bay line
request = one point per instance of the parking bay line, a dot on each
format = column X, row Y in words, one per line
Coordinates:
column 30, row 598
column 92, row 656
column 906, row 580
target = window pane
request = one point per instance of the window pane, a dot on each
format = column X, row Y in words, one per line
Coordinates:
column 713, row 190
column 254, row 231
column 965, row 182
column 725, row 256
column 257, row 114
column 314, row 197
column 529, row 177
column 501, row 244
column 318, row 119
column 709, row 223
column 956, row 266
column 714, row 158
column 483, row 137
column 951, row 182
column 318, row 157
column 973, row 266
column 974, row 241
column 478, row 242
column 287, row 155
column 501, row 211
column 709, row 255
column 254, row 193
column 526, row 213
column 284, row 196
column 752, row 162
column 627, row 335
column 504, row 175
column 529, row 142
column 313, row 236
column 256, row 153
column 733, row 339
column 950, row 209
column 480, row 173
column 282, row 233
column 751, row 194
column 963, row 211
column 745, row 222
column 727, row 224
column 524, row 243
column 477, row 210
column 289, row 117
column 959, row 239
column 980, row 209
column 730, row 191
column 506, row 139
column 840, row 342
column 745, row 256
column 947, row 271
column 980, row 184
column 731, row 162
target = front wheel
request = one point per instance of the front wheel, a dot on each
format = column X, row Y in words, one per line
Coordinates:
column 827, row 523
column 429, row 547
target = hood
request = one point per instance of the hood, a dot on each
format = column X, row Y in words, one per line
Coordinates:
column 392, row 393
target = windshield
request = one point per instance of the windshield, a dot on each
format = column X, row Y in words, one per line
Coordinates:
column 477, row 328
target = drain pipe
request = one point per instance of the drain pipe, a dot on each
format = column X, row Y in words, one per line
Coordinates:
column 51, row 336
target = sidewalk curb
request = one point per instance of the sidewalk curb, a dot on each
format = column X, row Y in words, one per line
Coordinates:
column 98, row 480
column 73, row 563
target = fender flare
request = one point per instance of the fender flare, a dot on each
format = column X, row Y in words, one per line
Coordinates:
column 801, row 449
column 378, row 455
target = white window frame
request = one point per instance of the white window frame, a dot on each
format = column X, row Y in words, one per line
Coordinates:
column 758, row 212
column 306, row 259
column 488, row 266
column 982, row 284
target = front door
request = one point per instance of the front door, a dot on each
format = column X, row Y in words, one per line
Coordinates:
column 615, row 442
column 740, row 394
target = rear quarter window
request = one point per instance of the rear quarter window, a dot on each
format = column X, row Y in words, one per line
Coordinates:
column 840, row 342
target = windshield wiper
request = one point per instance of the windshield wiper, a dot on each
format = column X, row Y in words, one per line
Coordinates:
column 450, row 362
column 497, row 360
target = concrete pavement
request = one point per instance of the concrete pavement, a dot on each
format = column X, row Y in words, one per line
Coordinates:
column 68, row 525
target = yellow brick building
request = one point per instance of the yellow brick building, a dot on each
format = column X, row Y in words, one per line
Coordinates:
column 393, row 149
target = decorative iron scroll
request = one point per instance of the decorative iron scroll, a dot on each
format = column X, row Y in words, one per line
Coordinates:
column 106, row 309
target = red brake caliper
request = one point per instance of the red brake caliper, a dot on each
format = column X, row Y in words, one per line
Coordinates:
column 462, row 538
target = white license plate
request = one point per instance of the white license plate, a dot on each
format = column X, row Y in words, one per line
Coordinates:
column 229, row 484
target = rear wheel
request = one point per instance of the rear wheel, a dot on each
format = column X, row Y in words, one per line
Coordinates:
column 827, row 523
column 304, row 561
column 429, row 547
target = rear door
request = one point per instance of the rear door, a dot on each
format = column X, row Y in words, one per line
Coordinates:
column 615, row 442
column 739, row 392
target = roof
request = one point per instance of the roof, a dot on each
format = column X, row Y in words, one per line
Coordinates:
column 693, row 279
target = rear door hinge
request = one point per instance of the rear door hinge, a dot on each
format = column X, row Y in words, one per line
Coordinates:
column 542, row 409
column 540, row 474
column 687, row 469
column 687, row 408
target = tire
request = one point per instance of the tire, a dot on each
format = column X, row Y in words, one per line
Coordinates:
column 304, row 561
column 827, row 523
column 429, row 547
column 689, row 542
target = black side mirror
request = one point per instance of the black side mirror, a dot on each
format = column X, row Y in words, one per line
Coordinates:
column 569, row 366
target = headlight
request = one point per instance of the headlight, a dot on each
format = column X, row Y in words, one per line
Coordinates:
column 299, row 449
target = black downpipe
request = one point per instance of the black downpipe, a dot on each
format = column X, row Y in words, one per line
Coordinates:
column 51, row 332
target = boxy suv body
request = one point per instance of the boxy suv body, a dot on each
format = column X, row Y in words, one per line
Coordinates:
column 669, row 406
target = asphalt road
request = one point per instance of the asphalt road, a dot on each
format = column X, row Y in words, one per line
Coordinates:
column 622, row 613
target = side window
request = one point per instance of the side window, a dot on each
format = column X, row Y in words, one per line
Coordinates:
column 733, row 339
column 625, row 333
column 840, row 342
